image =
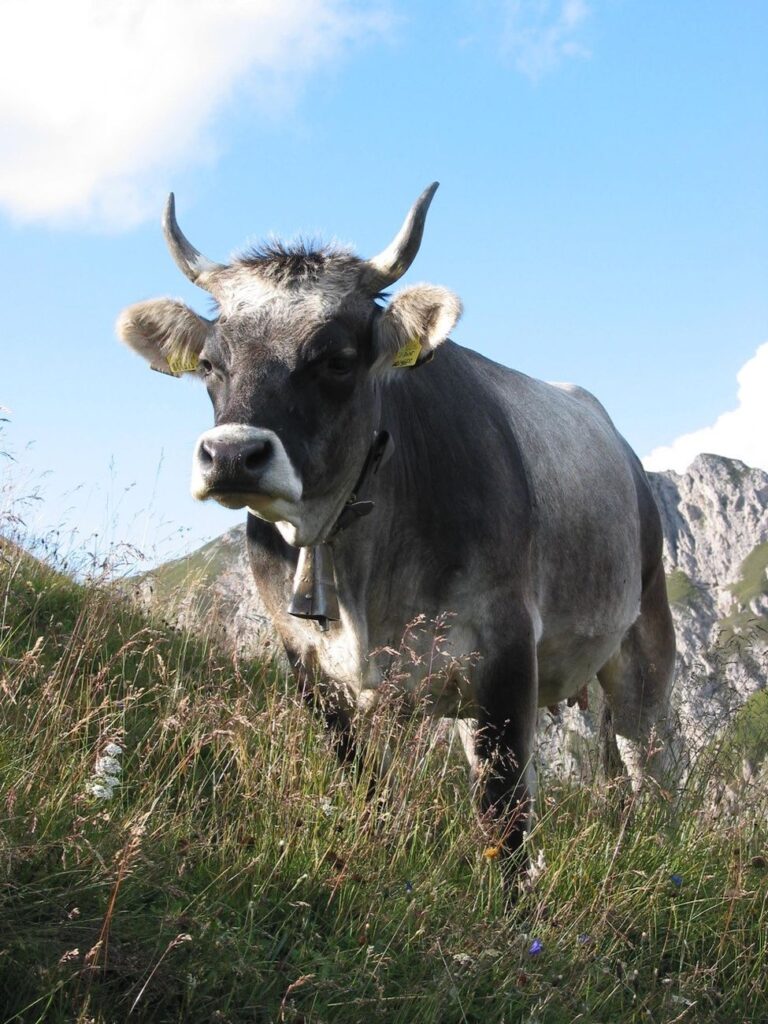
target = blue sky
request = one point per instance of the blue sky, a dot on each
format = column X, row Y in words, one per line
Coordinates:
column 603, row 209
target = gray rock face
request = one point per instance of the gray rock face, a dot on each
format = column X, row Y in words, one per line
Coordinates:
column 715, row 519
column 714, row 515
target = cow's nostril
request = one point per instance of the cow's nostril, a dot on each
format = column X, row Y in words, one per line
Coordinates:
column 205, row 454
column 257, row 454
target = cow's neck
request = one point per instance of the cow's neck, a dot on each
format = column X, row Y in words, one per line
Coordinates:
column 314, row 594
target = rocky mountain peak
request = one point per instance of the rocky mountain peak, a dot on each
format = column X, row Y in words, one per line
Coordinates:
column 714, row 515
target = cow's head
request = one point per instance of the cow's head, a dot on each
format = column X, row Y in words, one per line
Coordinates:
column 290, row 362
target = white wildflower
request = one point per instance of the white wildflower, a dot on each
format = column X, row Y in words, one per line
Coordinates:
column 106, row 773
column 326, row 806
column 462, row 960
column 99, row 791
column 107, row 765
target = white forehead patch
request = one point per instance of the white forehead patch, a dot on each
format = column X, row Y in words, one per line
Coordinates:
column 243, row 289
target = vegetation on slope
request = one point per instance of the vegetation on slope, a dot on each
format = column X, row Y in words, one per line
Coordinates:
column 742, row 626
column 681, row 589
column 192, row 577
column 747, row 737
column 753, row 579
column 236, row 874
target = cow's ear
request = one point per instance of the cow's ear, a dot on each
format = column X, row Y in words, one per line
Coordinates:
column 168, row 334
column 415, row 322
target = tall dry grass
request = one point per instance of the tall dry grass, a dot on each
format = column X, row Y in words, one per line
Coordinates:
column 234, row 873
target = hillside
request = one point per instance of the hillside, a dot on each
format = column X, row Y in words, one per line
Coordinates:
column 715, row 519
column 212, row 585
column 177, row 844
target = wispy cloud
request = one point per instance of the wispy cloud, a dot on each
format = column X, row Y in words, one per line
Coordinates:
column 539, row 34
column 99, row 99
column 741, row 433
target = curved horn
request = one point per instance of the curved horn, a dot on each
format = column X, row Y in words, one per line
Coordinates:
column 191, row 263
column 384, row 269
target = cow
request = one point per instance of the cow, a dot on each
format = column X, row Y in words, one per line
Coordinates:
column 383, row 485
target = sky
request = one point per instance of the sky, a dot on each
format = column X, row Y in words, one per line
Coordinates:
column 603, row 211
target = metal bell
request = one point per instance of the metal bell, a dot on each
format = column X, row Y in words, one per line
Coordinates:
column 314, row 586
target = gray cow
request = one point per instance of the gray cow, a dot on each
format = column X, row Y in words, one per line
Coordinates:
column 382, row 485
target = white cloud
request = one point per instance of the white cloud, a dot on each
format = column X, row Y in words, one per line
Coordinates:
column 741, row 433
column 539, row 34
column 100, row 98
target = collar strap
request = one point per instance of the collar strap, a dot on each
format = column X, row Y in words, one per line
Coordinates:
column 379, row 452
column 314, row 584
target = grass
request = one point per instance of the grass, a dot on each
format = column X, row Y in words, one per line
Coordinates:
column 742, row 622
column 747, row 737
column 238, row 875
column 681, row 589
column 173, row 582
column 753, row 580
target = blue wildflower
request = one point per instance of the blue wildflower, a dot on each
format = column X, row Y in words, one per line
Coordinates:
column 583, row 939
column 535, row 947
column 677, row 880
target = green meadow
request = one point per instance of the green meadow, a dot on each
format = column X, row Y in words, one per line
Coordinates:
column 177, row 844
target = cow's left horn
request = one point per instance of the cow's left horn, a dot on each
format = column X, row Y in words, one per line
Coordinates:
column 390, row 265
column 198, row 268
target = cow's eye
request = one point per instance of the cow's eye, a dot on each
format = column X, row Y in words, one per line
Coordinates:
column 205, row 367
column 340, row 364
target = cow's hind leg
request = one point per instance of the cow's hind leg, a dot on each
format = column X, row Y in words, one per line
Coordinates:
column 637, row 682
column 504, row 742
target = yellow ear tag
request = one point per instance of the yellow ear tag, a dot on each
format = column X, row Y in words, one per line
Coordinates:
column 409, row 354
column 182, row 362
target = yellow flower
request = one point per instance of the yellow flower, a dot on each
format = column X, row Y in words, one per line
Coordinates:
column 491, row 852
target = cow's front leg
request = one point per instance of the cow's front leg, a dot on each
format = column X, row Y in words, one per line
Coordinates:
column 327, row 704
column 507, row 698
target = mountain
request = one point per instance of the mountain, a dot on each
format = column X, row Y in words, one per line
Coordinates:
column 212, row 588
column 715, row 520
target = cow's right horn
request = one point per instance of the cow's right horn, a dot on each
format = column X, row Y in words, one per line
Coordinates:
column 198, row 268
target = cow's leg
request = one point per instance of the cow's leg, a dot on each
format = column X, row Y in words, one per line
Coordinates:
column 329, row 707
column 504, row 742
column 466, row 730
column 637, row 682
column 348, row 730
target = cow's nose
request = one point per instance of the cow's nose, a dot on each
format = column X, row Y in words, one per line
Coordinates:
column 234, row 464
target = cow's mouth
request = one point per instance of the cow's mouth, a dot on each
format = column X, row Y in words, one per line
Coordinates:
column 268, row 506
column 231, row 498
column 299, row 520
column 230, row 495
